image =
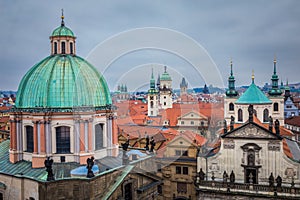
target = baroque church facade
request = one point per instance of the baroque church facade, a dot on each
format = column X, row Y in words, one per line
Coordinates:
column 253, row 148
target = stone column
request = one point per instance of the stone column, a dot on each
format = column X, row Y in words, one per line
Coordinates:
column 82, row 141
column 42, row 138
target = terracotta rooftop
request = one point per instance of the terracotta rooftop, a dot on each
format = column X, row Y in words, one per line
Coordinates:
column 294, row 121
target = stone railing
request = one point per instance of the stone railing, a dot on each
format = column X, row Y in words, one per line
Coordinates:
column 291, row 192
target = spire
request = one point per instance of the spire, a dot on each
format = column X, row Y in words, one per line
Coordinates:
column 231, row 87
column 183, row 83
column 252, row 76
column 62, row 17
column 231, row 73
column 275, row 90
column 274, row 65
column 165, row 69
column 152, row 81
column 152, row 77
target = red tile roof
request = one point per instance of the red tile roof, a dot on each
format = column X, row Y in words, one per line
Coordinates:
column 286, row 149
column 294, row 121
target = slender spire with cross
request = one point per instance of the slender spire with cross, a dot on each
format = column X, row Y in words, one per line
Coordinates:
column 62, row 17
column 231, row 72
column 275, row 61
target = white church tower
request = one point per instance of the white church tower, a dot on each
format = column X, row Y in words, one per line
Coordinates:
column 165, row 90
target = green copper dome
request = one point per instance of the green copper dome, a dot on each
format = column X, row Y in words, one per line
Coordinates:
column 253, row 95
column 62, row 31
column 62, row 81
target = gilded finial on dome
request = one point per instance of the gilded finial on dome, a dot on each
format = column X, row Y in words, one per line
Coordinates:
column 62, row 17
column 275, row 58
column 252, row 76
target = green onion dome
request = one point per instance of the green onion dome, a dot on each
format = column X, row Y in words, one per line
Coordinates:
column 63, row 81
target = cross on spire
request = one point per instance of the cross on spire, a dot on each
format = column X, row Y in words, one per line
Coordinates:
column 62, row 17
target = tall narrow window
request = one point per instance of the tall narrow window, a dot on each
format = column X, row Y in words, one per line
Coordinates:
column 55, row 47
column 266, row 115
column 251, row 157
column 29, row 138
column 63, row 139
column 98, row 136
column 128, row 191
column 71, row 47
column 185, row 170
column 231, row 107
column 240, row 115
column 63, row 47
column 275, row 107
column 178, row 170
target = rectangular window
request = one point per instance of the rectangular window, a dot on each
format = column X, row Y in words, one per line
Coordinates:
column 63, row 47
column 192, row 122
column 29, row 138
column 98, row 136
column 178, row 170
column 63, row 139
column 177, row 153
column 185, row 153
column 71, row 48
column 55, row 48
column 181, row 187
column 185, row 170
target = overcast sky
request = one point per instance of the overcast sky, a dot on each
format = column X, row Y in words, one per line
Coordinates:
column 249, row 32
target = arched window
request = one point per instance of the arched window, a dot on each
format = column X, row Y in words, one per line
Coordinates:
column 63, row 139
column 275, row 107
column 63, row 47
column 29, row 138
column 98, row 136
column 266, row 115
column 71, row 47
column 231, row 107
column 55, row 47
column 240, row 115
